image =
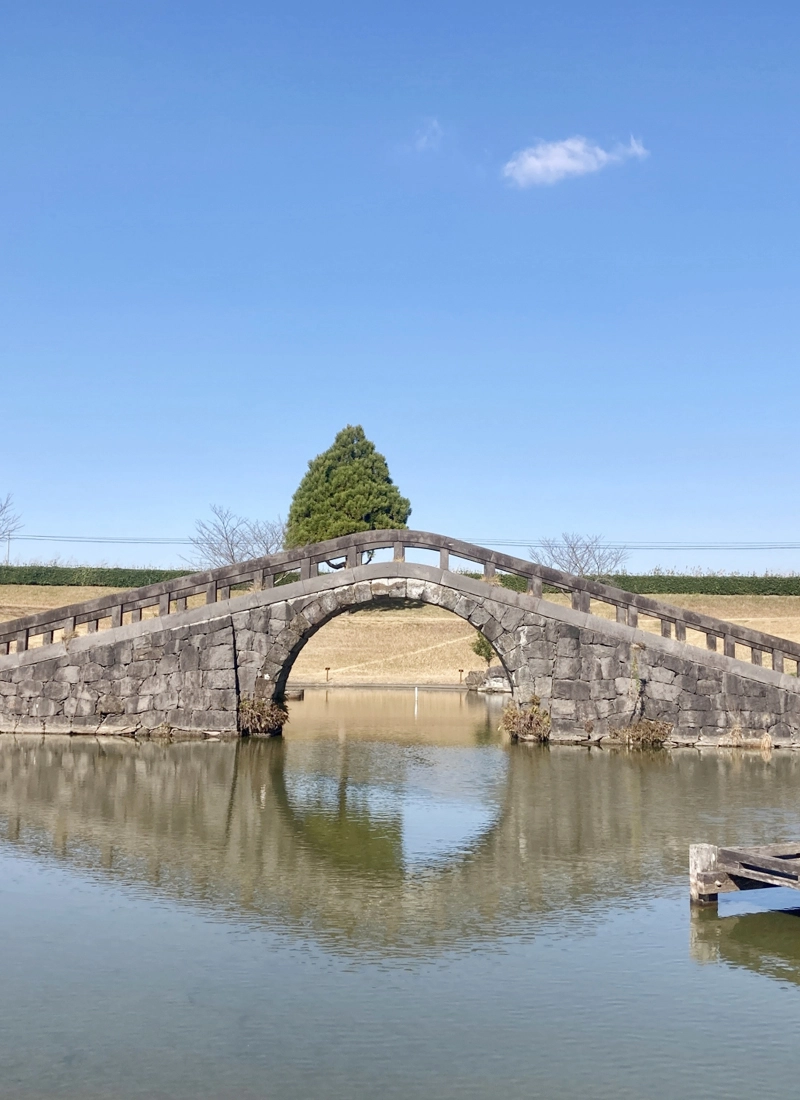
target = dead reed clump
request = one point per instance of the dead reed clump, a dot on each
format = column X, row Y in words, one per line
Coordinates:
column 645, row 733
column 262, row 717
column 526, row 722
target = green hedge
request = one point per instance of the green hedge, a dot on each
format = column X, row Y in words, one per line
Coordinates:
column 85, row 575
column 648, row 584
column 654, row 584
column 651, row 584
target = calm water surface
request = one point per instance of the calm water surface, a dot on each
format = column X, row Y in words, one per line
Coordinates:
column 389, row 902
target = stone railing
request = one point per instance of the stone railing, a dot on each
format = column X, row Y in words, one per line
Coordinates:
column 350, row 551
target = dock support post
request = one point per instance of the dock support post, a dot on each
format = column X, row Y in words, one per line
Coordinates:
column 702, row 862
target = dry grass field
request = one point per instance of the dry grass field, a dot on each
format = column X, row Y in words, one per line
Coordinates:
column 422, row 645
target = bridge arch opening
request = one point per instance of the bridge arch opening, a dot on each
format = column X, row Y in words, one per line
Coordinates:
column 392, row 635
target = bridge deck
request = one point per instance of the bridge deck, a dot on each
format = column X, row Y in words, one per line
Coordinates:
column 170, row 597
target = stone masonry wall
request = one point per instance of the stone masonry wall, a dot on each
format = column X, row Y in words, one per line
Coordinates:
column 125, row 681
column 188, row 670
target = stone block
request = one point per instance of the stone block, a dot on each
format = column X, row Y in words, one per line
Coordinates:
column 657, row 674
column 511, row 618
column 219, row 679
column 570, row 689
column 218, row 657
column 147, row 652
column 110, row 704
column 567, row 668
column 106, row 655
column 465, row 607
column 492, row 630
column 479, row 616
column 562, row 708
column 43, row 708
column 659, row 690
column 166, row 700
column 602, row 689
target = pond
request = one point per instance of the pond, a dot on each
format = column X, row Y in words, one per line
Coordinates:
column 390, row 900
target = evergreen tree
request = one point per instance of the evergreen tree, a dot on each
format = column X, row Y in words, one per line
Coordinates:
column 347, row 489
column 484, row 649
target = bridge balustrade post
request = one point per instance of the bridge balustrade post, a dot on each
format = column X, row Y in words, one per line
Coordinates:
column 666, row 628
column 116, row 615
column 488, row 570
column 756, row 657
column 777, row 660
column 224, row 592
column 680, row 632
column 399, row 552
column 211, row 592
column 308, row 569
column 3, row 649
column 622, row 615
column 633, row 616
column 580, row 600
column 711, row 641
column 444, row 559
column 353, row 558
column 91, row 626
column 534, row 586
column 22, row 641
column 47, row 637
column 69, row 626
column 163, row 604
column 136, row 615
column 180, row 603
column 729, row 646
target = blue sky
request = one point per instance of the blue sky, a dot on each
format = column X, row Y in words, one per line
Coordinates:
column 230, row 229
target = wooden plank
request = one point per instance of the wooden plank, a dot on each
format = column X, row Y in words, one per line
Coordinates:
column 736, row 871
column 749, row 860
column 786, row 850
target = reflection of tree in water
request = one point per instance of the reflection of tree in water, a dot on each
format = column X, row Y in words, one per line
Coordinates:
column 243, row 828
column 766, row 943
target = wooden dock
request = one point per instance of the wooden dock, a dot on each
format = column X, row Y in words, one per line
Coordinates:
column 714, row 871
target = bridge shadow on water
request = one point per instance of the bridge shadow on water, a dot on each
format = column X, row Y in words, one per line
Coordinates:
column 377, row 828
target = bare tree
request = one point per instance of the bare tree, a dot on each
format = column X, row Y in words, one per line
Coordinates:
column 10, row 522
column 227, row 539
column 583, row 555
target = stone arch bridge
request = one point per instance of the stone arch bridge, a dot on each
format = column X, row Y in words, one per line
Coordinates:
column 134, row 661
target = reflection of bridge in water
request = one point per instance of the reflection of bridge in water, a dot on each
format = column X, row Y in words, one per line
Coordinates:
column 315, row 835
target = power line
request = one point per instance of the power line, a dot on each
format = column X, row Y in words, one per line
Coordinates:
column 127, row 540
column 143, row 540
column 648, row 545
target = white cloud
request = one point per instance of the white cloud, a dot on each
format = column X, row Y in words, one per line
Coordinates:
column 429, row 136
column 551, row 161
